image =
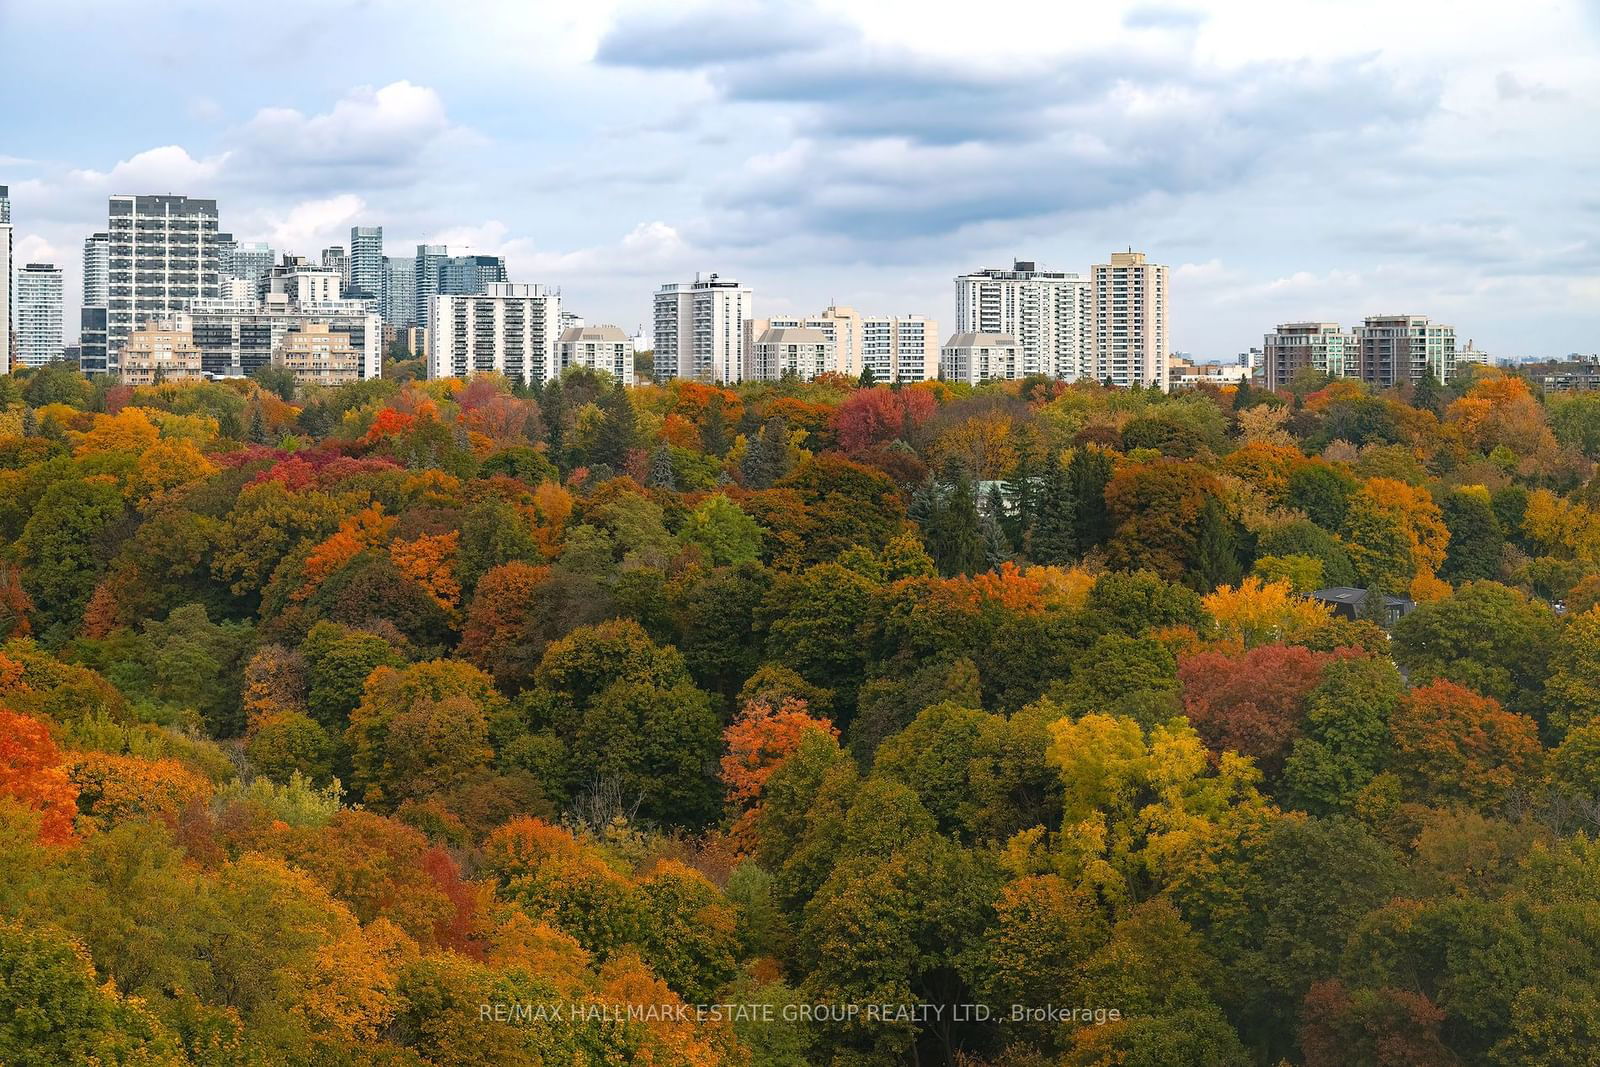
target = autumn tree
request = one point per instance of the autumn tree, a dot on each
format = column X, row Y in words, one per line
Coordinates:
column 33, row 773
column 1453, row 745
column 420, row 730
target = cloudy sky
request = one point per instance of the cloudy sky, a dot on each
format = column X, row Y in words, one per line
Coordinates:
column 1287, row 158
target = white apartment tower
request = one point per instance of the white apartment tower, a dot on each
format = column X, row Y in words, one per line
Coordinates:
column 366, row 263
column 96, row 270
column 700, row 329
column 38, row 314
column 900, row 348
column 1130, row 321
column 5, row 279
column 163, row 255
column 1046, row 312
column 512, row 329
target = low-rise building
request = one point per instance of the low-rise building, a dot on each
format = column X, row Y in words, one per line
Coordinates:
column 161, row 350
column 981, row 357
column 316, row 355
column 599, row 348
column 798, row 351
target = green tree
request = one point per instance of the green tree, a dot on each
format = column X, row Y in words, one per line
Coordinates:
column 1088, row 474
column 1476, row 540
column 1346, row 737
column 723, row 531
column 1487, row 637
column 618, row 433
column 338, row 660
column 1053, row 537
column 952, row 529
column 66, row 545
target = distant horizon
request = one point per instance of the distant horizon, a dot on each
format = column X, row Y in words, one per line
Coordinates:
column 1286, row 164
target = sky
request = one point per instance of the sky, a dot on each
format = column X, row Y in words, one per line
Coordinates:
column 1287, row 159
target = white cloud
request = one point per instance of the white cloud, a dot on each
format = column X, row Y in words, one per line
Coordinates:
column 169, row 168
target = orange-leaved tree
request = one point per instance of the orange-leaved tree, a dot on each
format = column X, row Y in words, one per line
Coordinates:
column 32, row 773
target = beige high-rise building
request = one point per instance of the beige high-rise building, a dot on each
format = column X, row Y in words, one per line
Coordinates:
column 316, row 355
column 161, row 350
column 1129, row 308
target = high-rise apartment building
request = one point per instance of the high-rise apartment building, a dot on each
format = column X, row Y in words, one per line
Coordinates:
column 303, row 282
column 366, row 263
column 1130, row 321
column 511, row 329
column 38, row 314
column 1294, row 346
column 250, row 261
column 335, row 258
column 96, row 269
column 438, row 273
column 900, row 348
column 163, row 255
column 700, row 329
column 1046, row 312
column 5, row 279
column 600, row 348
column 92, row 340
column 399, row 301
column 1402, row 348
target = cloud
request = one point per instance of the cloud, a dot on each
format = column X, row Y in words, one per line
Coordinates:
column 169, row 168
column 311, row 225
column 689, row 38
column 1156, row 17
column 370, row 132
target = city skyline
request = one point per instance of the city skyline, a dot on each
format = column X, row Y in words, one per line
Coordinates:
column 1287, row 166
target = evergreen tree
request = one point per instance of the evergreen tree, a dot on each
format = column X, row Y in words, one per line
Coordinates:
column 30, row 423
column 258, row 428
column 1052, row 536
column 1243, row 397
column 1087, row 477
column 1216, row 551
column 617, row 432
column 554, row 406
column 661, row 475
column 997, row 547
column 955, row 533
column 1022, row 491
column 867, row 379
column 1427, row 394
column 714, row 429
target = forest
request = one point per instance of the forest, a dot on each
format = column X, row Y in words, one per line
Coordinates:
column 392, row 724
